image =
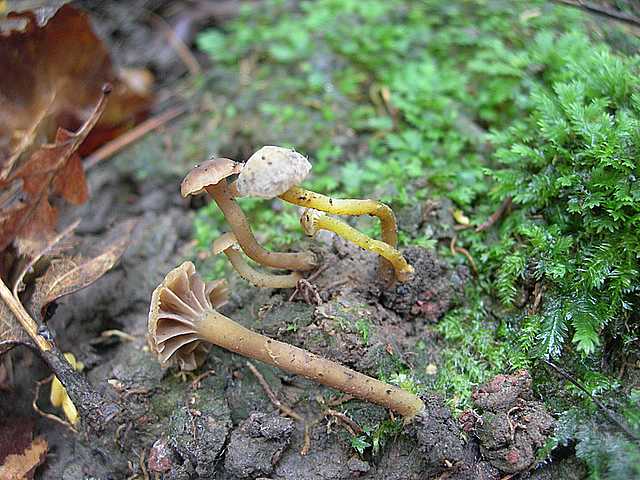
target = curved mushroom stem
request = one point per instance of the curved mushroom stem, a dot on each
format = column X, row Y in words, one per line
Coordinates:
column 226, row 333
column 259, row 279
column 349, row 206
column 312, row 221
column 301, row 261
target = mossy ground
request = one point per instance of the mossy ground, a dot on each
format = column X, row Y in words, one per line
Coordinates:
column 394, row 101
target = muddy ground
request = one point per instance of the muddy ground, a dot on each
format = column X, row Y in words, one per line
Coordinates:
column 223, row 425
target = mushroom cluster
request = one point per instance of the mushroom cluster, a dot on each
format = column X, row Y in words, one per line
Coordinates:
column 184, row 321
column 277, row 172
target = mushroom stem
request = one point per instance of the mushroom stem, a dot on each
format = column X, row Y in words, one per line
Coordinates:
column 301, row 261
column 349, row 206
column 226, row 333
column 312, row 221
column 346, row 206
column 259, row 279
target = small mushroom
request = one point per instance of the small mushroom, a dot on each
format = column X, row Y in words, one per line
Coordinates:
column 313, row 220
column 212, row 176
column 174, row 337
column 183, row 315
column 276, row 172
column 228, row 244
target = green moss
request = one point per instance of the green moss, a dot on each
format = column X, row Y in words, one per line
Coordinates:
column 394, row 99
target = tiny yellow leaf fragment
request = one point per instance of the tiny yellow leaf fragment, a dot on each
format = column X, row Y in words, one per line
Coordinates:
column 60, row 398
column 460, row 217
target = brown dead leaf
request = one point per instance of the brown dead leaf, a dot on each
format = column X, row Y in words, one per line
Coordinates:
column 53, row 71
column 52, row 74
column 23, row 466
column 53, row 169
column 66, row 275
column 11, row 333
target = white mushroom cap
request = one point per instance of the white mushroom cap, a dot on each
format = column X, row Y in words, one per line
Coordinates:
column 271, row 171
column 177, row 305
column 208, row 173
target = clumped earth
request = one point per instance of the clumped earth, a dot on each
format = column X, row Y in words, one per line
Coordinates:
column 221, row 423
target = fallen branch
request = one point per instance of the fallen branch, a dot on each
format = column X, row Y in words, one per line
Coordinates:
column 131, row 136
column 463, row 251
column 287, row 410
column 603, row 11
column 497, row 215
column 608, row 413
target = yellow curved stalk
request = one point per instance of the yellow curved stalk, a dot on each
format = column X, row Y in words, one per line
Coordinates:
column 312, row 221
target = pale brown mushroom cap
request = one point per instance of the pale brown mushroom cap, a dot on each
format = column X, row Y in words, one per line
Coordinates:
column 208, row 173
column 271, row 171
column 177, row 305
column 226, row 240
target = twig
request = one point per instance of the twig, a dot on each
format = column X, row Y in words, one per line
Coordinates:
column 603, row 11
column 495, row 216
column 610, row 415
column 272, row 396
column 131, row 136
column 340, row 400
column 118, row 333
column 196, row 381
column 282, row 407
column 50, row 416
column 178, row 45
column 353, row 428
column 464, row 252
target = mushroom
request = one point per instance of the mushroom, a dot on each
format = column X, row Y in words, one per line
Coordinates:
column 313, row 220
column 228, row 244
column 174, row 338
column 276, row 172
column 212, row 176
column 183, row 316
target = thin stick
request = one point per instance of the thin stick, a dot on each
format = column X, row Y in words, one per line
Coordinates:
column 196, row 381
column 178, row 45
column 272, row 396
column 604, row 11
column 132, row 136
column 282, row 407
column 464, row 252
column 50, row 416
column 118, row 333
column 28, row 323
column 353, row 427
column 495, row 216
column 610, row 415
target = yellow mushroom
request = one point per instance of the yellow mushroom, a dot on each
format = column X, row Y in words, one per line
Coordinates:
column 59, row 396
column 313, row 220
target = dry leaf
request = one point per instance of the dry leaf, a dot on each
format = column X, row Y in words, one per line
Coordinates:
column 23, row 466
column 53, row 169
column 10, row 330
column 52, row 74
column 66, row 275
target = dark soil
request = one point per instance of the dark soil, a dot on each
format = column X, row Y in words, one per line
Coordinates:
column 224, row 426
